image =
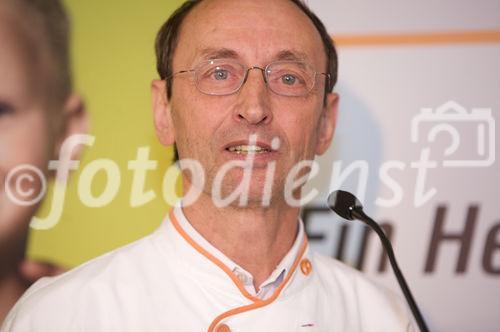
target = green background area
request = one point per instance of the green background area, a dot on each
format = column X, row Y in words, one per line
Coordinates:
column 113, row 65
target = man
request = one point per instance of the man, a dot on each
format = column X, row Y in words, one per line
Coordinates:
column 245, row 89
column 37, row 112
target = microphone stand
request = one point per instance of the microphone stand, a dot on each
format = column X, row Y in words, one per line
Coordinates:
column 357, row 213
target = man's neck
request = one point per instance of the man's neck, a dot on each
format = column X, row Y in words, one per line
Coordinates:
column 255, row 238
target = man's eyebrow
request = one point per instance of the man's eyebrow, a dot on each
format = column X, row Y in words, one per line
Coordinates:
column 218, row 53
column 225, row 53
column 291, row 55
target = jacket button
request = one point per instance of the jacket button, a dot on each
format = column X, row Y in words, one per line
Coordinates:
column 222, row 328
column 306, row 266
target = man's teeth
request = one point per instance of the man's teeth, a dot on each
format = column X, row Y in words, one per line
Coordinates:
column 248, row 149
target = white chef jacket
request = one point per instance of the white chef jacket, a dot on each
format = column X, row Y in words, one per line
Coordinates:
column 169, row 282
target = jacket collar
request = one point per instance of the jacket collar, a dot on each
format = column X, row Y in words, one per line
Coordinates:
column 200, row 259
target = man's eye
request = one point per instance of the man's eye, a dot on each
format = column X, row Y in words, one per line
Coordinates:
column 289, row 79
column 221, row 74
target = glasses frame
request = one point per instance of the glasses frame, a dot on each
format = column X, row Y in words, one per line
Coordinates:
column 264, row 71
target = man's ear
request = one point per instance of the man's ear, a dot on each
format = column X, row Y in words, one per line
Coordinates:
column 75, row 121
column 162, row 114
column 327, row 123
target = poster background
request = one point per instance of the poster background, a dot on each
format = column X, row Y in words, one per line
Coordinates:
column 114, row 63
column 394, row 61
column 396, row 58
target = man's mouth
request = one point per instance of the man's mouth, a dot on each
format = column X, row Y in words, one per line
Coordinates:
column 246, row 149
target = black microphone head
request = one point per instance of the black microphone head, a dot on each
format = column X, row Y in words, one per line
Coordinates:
column 343, row 202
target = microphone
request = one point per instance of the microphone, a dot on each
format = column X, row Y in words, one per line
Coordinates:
column 349, row 207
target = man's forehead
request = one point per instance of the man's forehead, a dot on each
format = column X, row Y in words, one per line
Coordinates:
column 205, row 5
column 211, row 15
column 274, row 30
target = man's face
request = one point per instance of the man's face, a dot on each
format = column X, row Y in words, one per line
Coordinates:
column 25, row 130
column 254, row 33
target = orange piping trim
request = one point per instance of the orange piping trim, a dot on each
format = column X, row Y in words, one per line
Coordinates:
column 459, row 37
column 212, row 258
column 261, row 303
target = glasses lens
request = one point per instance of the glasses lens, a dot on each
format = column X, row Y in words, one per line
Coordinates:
column 219, row 77
column 290, row 78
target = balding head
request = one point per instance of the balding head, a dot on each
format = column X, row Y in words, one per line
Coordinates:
column 168, row 37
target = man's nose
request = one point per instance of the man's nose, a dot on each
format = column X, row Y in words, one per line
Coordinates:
column 254, row 105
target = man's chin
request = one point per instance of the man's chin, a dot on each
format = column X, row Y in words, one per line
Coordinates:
column 253, row 196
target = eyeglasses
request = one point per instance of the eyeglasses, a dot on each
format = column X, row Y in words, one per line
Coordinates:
column 222, row 77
